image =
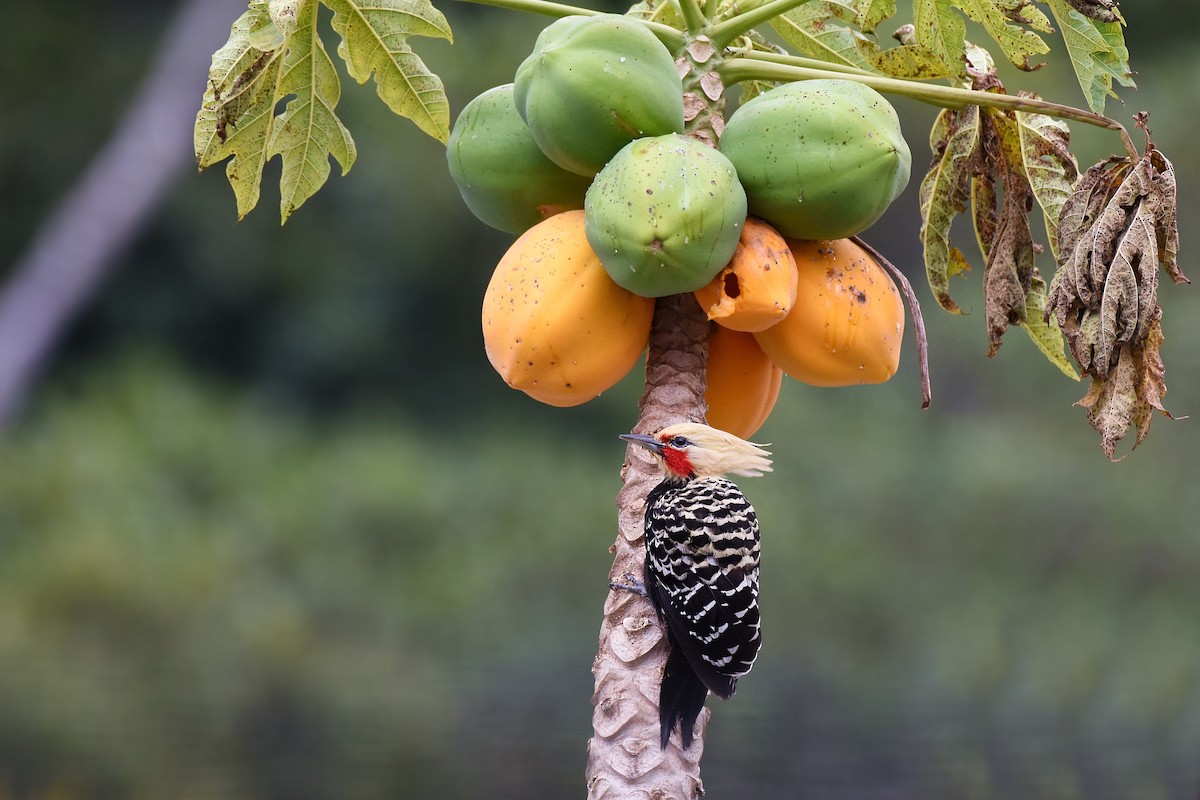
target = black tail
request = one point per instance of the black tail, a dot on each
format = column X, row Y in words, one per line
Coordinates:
column 680, row 698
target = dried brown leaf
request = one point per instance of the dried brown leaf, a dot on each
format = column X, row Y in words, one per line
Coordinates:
column 1165, row 205
column 1111, row 403
column 1131, row 394
column 1118, row 315
column 1009, row 270
column 985, row 213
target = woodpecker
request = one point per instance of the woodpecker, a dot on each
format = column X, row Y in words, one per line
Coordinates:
column 702, row 566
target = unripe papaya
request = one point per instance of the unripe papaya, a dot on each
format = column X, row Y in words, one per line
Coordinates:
column 757, row 287
column 848, row 322
column 593, row 83
column 820, row 159
column 555, row 326
column 743, row 383
column 665, row 215
column 503, row 176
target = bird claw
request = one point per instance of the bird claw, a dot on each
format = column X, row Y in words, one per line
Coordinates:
column 631, row 584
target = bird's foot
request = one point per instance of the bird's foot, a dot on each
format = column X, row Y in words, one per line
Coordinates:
column 631, row 584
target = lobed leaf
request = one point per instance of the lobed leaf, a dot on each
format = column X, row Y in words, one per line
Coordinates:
column 872, row 12
column 273, row 91
column 375, row 42
column 944, row 195
column 237, row 115
column 1048, row 164
column 1003, row 22
column 913, row 61
column 659, row 11
column 308, row 131
column 1097, row 51
column 812, row 31
column 940, row 31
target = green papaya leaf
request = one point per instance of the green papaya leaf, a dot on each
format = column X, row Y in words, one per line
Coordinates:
column 1097, row 51
column 237, row 116
column 375, row 41
column 872, row 12
column 657, row 11
column 909, row 61
column 308, row 131
column 944, row 194
column 1000, row 19
column 812, row 31
column 940, row 31
column 273, row 91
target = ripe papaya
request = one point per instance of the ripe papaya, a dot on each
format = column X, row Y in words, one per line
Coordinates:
column 848, row 322
column 757, row 287
column 555, row 326
column 743, row 383
column 503, row 176
column 665, row 215
column 820, row 159
column 593, row 83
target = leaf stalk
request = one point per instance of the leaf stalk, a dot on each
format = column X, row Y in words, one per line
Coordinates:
column 693, row 16
column 722, row 33
column 744, row 68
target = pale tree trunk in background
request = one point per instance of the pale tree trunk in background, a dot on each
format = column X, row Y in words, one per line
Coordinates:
column 74, row 248
column 624, row 757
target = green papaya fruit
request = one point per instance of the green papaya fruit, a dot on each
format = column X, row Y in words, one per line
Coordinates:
column 665, row 215
column 592, row 84
column 503, row 176
column 820, row 159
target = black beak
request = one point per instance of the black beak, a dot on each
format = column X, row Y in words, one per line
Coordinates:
column 648, row 442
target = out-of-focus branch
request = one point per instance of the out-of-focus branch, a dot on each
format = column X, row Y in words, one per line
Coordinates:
column 81, row 240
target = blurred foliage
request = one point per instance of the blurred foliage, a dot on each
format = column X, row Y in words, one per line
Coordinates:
column 314, row 547
column 205, row 596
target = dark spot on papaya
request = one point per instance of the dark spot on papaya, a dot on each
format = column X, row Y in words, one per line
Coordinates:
column 732, row 287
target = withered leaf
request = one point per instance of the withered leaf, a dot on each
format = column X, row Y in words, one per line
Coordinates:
column 944, row 194
column 1111, row 403
column 1118, row 314
column 1049, row 165
column 1045, row 335
column 1118, row 228
column 1009, row 270
column 1131, row 394
column 984, row 212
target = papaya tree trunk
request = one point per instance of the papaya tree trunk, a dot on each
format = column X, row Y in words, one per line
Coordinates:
column 624, row 756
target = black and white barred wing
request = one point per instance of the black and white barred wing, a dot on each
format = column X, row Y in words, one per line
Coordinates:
column 703, row 567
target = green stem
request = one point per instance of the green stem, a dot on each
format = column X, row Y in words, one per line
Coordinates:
column 672, row 38
column 735, row 70
column 725, row 32
column 812, row 63
column 693, row 16
column 710, row 8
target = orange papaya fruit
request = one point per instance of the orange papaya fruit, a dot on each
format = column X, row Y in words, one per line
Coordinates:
column 743, row 383
column 555, row 325
column 848, row 322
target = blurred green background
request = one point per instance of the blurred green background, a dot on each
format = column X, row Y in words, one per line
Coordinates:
column 270, row 527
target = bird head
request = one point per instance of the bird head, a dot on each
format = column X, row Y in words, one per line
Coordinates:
column 691, row 450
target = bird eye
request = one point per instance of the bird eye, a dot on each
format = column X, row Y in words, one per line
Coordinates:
column 680, row 442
